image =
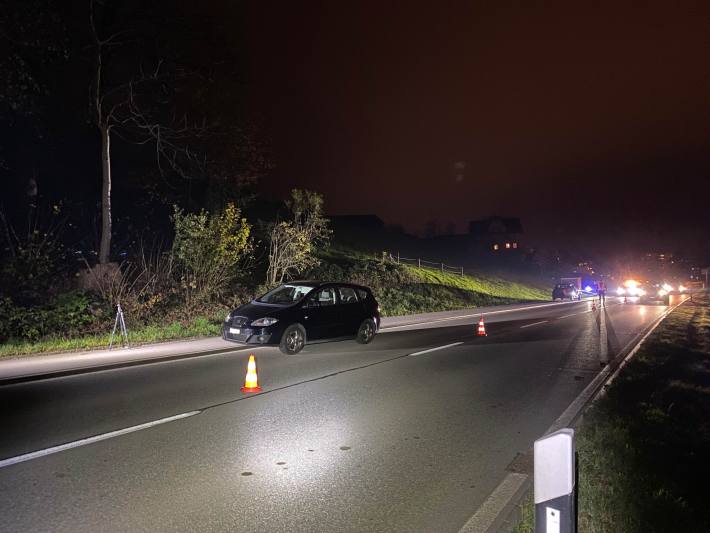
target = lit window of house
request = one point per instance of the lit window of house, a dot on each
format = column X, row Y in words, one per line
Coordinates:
column 507, row 245
column 496, row 247
column 515, row 245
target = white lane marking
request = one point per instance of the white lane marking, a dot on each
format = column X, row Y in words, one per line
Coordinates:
column 603, row 340
column 434, row 349
column 573, row 314
column 91, row 440
column 487, row 513
column 534, row 324
column 479, row 314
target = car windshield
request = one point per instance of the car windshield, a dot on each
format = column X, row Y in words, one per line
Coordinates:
column 285, row 294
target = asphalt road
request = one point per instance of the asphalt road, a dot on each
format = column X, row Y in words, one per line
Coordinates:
column 343, row 437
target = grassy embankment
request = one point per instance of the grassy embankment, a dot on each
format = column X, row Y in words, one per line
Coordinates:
column 400, row 289
column 644, row 447
column 432, row 290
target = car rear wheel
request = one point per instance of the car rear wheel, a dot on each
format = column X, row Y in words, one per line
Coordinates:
column 366, row 331
column 293, row 339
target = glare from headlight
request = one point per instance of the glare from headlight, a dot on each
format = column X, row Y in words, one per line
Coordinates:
column 667, row 287
column 640, row 292
column 620, row 291
column 662, row 292
column 681, row 288
column 266, row 321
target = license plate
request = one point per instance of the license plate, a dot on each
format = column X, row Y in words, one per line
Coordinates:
column 235, row 331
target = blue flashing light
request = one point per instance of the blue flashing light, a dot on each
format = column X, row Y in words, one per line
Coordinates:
column 587, row 289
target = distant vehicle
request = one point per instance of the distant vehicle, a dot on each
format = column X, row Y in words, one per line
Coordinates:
column 301, row 312
column 644, row 292
column 565, row 291
column 653, row 293
column 576, row 281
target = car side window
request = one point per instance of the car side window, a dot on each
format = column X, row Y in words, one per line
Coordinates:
column 312, row 300
column 347, row 295
column 362, row 293
column 326, row 296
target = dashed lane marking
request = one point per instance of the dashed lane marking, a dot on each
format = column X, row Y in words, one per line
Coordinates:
column 534, row 324
column 435, row 349
column 91, row 440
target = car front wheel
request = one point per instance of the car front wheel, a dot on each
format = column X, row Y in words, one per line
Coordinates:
column 366, row 331
column 293, row 339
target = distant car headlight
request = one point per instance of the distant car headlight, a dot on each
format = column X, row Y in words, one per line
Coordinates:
column 662, row 292
column 263, row 322
column 681, row 288
column 667, row 287
column 620, row 291
column 640, row 292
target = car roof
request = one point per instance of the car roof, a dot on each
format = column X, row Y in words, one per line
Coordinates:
column 317, row 283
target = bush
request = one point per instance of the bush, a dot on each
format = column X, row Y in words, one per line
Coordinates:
column 34, row 260
column 68, row 313
column 212, row 250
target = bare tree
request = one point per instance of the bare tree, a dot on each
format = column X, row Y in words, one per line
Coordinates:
column 127, row 110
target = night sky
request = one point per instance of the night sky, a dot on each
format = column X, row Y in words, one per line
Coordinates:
column 583, row 120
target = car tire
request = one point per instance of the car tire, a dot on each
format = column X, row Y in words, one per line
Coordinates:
column 366, row 331
column 293, row 339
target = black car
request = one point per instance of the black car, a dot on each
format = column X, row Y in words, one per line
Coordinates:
column 566, row 290
column 301, row 312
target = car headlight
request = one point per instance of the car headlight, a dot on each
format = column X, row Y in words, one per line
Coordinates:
column 640, row 292
column 266, row 321
column 662, row 292
column 620, row 291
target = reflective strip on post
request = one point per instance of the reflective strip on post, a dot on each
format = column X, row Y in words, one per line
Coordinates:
column 555, row 483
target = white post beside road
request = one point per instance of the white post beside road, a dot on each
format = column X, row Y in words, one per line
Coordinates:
column 555, row 483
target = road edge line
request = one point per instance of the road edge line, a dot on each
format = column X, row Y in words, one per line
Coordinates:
column 120, row 364
column 494, row 312
column 491, row 513
column 505, row 508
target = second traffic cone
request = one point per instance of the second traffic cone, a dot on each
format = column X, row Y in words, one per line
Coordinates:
column 481, row 328
column 251, row 383
column 594, row 306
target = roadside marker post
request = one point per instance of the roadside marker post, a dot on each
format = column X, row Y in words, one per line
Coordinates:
column 555, row 484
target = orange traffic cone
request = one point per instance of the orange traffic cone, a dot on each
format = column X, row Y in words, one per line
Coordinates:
column 481, row 328
column 594, row 306
column 625, row 300
column 251, row 384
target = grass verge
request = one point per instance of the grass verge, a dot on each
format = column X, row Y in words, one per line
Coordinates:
column 199, row 327
column 644, row 447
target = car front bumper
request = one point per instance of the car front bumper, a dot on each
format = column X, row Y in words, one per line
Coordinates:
column 247, row 335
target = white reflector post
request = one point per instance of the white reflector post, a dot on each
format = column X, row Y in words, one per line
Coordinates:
column 555, row 483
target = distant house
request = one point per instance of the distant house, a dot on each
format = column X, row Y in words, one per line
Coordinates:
column 496, row 234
